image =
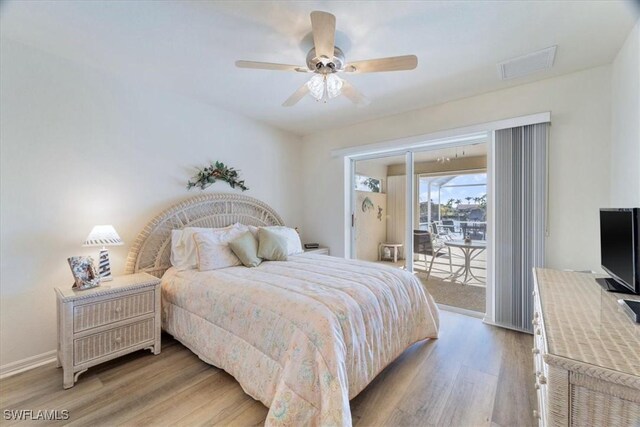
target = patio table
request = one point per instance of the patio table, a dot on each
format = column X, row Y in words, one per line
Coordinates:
column 471, row 251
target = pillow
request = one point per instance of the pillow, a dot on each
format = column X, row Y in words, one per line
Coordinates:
column 254, row 230
column 212, row 248
column 294, row 246
column 183, row 248
column 272, row 245
column 246, row 248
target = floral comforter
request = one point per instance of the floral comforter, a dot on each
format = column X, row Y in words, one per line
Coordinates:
column 303, row 336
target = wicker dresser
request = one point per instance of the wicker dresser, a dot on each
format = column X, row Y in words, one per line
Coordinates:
column 99, row 324
column 586, row 353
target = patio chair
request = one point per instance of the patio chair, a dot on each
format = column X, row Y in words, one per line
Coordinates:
column 425, row 244
column 440, row 232
column 450, row 225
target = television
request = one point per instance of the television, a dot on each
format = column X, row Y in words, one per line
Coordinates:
column 620, row 249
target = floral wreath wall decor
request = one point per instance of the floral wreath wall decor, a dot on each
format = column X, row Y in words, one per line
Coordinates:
column 217, row 171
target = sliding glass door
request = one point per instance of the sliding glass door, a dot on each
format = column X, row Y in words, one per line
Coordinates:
column 413, row 210
column 468, row 212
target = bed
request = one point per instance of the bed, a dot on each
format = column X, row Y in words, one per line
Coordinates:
column 303, row 336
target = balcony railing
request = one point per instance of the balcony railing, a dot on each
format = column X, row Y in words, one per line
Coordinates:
column 477, row 230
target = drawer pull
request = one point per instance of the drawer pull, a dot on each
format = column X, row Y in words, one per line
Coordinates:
column 118, row 309
column 542, row 379
column 118, row 340
column 535, row 351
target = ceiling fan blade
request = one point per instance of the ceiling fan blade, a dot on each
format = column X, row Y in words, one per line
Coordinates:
column 297, row 96
column 323, row 26
column 271, row 66
column 352, row 94
column 394, row 63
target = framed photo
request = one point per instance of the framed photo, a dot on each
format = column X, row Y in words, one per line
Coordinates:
column 84, row 272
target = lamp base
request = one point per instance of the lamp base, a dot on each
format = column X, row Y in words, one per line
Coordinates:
column 104, row 267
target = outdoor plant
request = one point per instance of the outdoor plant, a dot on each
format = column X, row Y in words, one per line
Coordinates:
column 217, row 171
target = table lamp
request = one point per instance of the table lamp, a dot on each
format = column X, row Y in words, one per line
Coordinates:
column 103, row 235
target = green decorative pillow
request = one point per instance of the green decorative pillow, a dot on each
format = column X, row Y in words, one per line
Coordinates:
column 246, row 248
column 272, row 246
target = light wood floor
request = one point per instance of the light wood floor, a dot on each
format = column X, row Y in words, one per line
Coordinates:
column 473, row 375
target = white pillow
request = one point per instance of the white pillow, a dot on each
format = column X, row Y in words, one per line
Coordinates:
column 294, row 246
column 213, row 250
column 183, row 248
column 251, row 228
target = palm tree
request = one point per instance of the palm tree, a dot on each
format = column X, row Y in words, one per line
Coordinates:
column 468, row 199
column 483, row 201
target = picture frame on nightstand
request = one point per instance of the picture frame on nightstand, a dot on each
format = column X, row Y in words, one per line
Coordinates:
column 84, row 272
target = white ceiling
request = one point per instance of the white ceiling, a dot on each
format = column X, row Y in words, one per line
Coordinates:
column 189, row 47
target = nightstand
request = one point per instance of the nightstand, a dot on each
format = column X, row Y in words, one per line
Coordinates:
column 321, row 250
column 99, row 324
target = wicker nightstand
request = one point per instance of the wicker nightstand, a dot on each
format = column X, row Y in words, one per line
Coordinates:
column 321, row 250
column 100, row 324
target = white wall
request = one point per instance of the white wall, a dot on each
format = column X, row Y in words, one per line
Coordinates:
column 579, row 157
column 370, row 230
column 79, row 148
column 625, row 123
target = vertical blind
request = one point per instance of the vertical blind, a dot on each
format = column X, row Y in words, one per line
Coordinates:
column 520, row 220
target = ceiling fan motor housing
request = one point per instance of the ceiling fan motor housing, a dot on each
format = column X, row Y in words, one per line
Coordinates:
column 324, row 65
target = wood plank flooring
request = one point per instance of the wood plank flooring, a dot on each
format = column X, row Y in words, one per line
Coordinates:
column 473, row 375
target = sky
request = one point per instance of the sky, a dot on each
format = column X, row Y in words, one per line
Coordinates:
column 455, row 192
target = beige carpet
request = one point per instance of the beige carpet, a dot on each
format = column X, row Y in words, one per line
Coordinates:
column 454, row 294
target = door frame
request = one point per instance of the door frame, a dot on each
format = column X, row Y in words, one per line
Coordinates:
column 448, row 138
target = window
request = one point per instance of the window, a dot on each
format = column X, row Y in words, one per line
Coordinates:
column 365, row 183
column 462, row 198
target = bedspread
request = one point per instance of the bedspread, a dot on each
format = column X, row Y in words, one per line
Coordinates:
column 303, row 336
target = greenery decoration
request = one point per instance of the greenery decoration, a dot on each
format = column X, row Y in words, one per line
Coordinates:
column 217, row 171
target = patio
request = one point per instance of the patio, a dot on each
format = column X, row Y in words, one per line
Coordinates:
column 449, row 206
column 469, row 296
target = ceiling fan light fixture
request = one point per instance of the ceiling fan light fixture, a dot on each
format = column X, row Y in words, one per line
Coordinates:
column 334, row 85
column 323, row 86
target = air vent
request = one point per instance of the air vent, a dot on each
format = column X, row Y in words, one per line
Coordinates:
column 527, row 64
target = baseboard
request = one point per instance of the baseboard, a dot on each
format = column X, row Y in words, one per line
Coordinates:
column 28, row 363
column 459, row 310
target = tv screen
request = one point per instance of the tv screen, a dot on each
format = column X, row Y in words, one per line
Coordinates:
column 617, row 240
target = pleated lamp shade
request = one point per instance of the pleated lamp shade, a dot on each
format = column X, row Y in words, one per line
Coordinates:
column 103, row 235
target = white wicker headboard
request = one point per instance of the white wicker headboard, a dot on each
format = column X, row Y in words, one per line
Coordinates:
column 151, row 250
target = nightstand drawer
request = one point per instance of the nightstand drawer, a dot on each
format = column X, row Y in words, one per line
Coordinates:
column 113, row 340
column 100, row 313
column 319, row 251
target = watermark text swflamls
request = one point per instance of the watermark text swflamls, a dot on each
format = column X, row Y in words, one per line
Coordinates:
column 36, row 415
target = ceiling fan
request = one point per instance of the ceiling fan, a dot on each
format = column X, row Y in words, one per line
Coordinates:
column 325, row 61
